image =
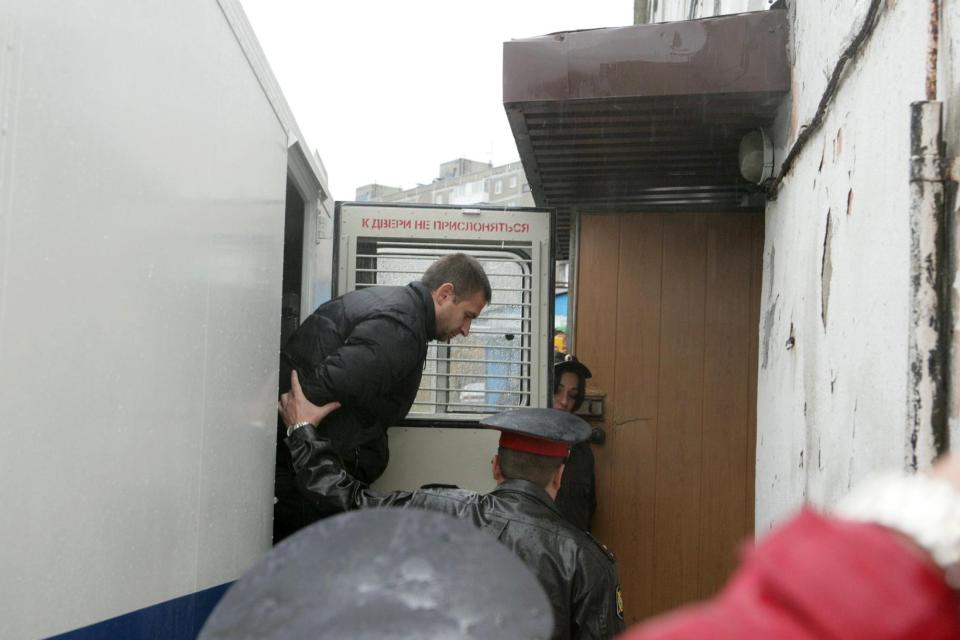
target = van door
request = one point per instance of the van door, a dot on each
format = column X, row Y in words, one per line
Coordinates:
column 505, row 361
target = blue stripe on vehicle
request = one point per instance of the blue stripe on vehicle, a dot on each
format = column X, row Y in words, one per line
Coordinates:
column 180, row 618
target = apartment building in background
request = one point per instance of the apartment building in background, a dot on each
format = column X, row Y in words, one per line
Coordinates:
column 460, row 181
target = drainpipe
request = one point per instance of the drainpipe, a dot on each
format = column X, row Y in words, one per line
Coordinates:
column 926, row 406
column 641, row 12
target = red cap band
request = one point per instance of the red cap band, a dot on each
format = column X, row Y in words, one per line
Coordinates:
column 529, row 444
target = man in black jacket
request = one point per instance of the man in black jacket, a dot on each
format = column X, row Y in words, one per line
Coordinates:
column 578, row 574
column 366, row 350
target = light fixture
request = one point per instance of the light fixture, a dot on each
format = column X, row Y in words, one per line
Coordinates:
column 756, row 156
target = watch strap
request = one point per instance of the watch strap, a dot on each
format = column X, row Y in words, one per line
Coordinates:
column 293, row 427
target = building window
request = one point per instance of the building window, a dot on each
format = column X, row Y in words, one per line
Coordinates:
column 513, row 182
column 498, row 187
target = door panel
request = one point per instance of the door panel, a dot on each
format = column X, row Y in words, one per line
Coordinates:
column 723, row 508
column 635, row 410
column 667, row 320
column 680, row 414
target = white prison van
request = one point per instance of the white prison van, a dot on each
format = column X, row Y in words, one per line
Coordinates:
column 163, row 226
column 151, row 176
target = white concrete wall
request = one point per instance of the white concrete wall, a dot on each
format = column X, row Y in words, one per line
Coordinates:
column 948, row 91
column 142, row 186
column 832, row 406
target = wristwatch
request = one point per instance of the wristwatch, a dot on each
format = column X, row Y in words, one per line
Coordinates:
column 923, row 508
column 293, row 427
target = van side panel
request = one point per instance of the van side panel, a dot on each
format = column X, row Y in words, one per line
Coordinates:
column 142, row 183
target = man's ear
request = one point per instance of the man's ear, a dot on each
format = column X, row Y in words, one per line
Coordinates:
column 497, row 472
column 557, row 476
column 444, row 291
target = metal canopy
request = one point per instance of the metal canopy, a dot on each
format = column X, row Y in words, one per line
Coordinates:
column 644, row 118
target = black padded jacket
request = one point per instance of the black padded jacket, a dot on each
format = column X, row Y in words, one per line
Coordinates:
column 366, row 350
column 578, row 574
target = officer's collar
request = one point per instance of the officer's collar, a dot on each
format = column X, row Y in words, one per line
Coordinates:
column 529, row 488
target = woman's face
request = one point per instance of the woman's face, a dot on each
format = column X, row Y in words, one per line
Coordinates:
column 567, row 391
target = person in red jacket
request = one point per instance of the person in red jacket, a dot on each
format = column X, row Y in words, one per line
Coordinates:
column 884, row 565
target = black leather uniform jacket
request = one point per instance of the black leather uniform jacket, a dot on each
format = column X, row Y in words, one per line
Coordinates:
column 578, row 574
column 365, row 349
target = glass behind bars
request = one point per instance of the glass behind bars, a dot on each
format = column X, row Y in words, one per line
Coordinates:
column 490, row 369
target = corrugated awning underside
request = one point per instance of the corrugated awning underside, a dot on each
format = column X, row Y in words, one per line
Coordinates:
column 644, row 118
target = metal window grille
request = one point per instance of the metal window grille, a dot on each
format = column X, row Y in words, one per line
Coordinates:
column 492, row 368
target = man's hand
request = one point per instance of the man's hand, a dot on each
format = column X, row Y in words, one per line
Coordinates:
column 294, row 406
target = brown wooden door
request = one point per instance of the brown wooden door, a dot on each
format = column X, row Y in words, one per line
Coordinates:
column 667, row 320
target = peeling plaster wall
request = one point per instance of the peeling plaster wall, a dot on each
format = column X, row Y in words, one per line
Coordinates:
column 948, row 85
column 949, row 76
column 834, row 319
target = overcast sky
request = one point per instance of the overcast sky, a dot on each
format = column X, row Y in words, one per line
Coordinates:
column 386, row 90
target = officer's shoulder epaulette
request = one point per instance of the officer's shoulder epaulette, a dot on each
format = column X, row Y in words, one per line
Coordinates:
column 604, row 548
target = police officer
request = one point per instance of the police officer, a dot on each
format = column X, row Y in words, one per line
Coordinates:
column 431, row 577
column 578, row 574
